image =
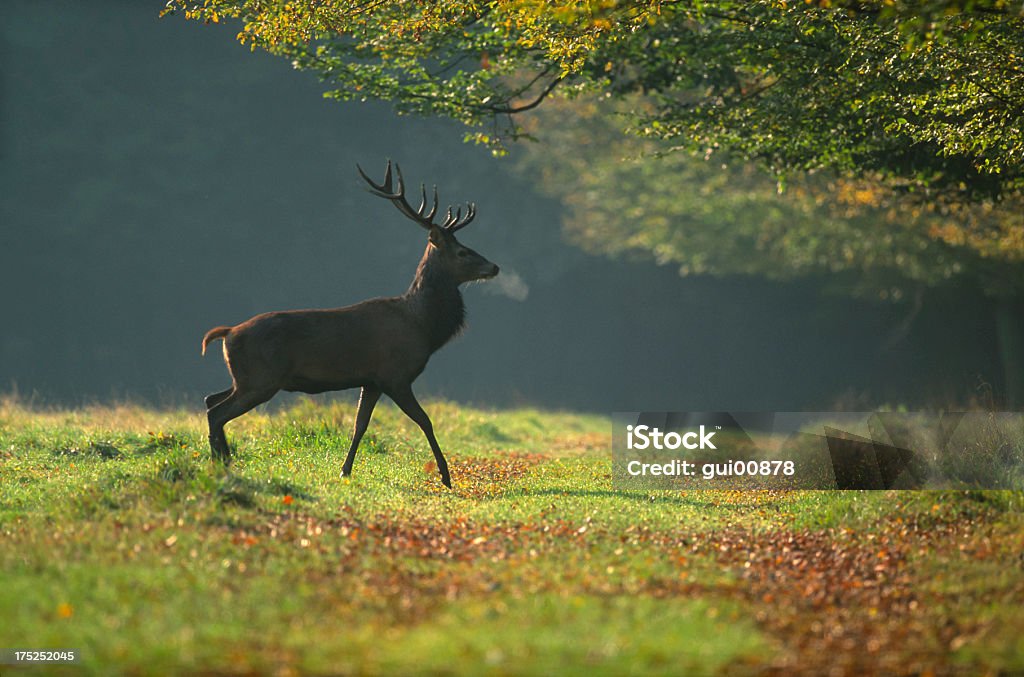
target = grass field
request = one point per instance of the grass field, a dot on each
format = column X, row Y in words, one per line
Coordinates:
column 118, row 538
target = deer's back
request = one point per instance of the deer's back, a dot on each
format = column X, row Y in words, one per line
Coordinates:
column 376, row 342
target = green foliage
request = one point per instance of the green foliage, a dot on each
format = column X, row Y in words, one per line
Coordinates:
column 914, row 109
column 633, row 196
column 810, row 86
column 928, row 96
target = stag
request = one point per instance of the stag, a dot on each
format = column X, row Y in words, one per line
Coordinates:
column 380, row 345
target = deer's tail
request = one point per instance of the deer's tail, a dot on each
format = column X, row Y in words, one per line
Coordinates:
column 214, row 334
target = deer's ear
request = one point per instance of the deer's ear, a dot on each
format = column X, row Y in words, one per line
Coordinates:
column 436, row 236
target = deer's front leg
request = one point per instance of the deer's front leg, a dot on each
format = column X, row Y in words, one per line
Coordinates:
column 406, row 401
column 367, row 401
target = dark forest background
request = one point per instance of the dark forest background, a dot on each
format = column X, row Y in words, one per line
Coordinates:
column 159, row 179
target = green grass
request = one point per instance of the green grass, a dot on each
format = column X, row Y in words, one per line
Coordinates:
column 120, row 539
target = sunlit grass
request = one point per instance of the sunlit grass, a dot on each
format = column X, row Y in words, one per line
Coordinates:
column 123, row 540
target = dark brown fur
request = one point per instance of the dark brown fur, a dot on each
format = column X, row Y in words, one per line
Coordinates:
column 380, row 345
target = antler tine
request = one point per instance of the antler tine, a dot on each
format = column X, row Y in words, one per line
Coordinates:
column 403, row 205
column 451, row 219
column 433, row 210
column 400, row 191
column 387, row 178
column 374, row 187
column 382, row 189
column 423, row 199
column 458, row 223
column 423, row 204
column 396, row 194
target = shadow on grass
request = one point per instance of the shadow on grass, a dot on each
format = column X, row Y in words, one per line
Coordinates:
column 180, row 476
column 267, row 487
column 492, row 433
column 114, row 449
column 101, row 450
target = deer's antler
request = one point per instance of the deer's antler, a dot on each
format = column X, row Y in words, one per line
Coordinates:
column 396, row 194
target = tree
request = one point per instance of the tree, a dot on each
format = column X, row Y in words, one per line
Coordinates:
column 896, row 126
column 928, row 96
column 728, row 218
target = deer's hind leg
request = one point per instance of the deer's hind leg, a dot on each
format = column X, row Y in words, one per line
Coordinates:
column 216, row 398
column 234, row 405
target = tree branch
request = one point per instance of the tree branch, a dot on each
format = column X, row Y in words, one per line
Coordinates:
column 512, row 110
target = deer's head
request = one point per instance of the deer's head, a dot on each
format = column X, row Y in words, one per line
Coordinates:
column 443, row 249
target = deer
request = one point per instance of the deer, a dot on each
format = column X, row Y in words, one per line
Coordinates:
column 380, row 345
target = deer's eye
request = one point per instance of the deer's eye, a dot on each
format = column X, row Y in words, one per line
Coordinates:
column 462, row 253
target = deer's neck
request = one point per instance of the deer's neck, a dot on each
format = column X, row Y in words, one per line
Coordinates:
column 436, row 302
